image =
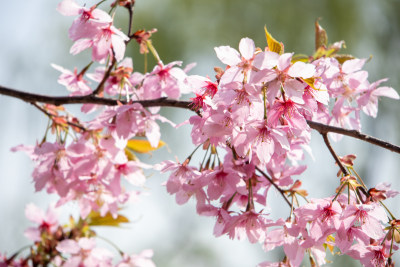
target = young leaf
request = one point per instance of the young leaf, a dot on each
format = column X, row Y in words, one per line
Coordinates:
column 343, row 58
column 321, row 37
column 273, row 44
column 129, row 154
column 95, row 219
column 310, row 82
column 330, row 240
column 142, row 146
column 300, row 57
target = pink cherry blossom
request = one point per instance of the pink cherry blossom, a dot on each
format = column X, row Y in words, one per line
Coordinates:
column 250, row 224
column 84, row 253
column 369, row 256
column 324, row 215
column 143, row 259
column 242, row 65
column 73, row 81
column 285, row 77
column 47, row 222
column 369, row 98
column 86, row 26
column 119, row 81
column 108, row 41
column 389, row 193
column 367, row 217
column 167, row 80
column 180, row 174
column 345, row 237
column 93, row 29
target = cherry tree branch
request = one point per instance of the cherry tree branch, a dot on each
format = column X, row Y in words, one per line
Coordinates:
column 130, row 10
column 164, row 102
column 100, row 87
column 323, row 129
column 90, row 99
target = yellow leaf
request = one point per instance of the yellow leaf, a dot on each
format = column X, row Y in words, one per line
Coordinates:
column 310, row 82
column 95, row 219
column 343, row 58
column 300, row 57
column 130, row 155
column 273, row 44
column 330, row 239
column 324, row 52
column 142, row 146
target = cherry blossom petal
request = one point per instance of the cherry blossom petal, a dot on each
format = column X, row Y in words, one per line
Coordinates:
column 284, row 61
column 118, row 46
column 294, row 90
column 80, row 45
column 69, row 8
column 68, row 246
column 353, row 65
column 301, row 69
column 100, row 16
column 386, row 91
column 247, row 48
column 34, row 213
column 32, row 233
column 228, row 55
column 266, row 60
column 233, row 74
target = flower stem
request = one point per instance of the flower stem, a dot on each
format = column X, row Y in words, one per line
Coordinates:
column 153, row 50
column 112, row 244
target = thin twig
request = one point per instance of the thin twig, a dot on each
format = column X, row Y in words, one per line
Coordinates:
column 51, row 116
column 100, row 87
column 130, row 10
column 275, row 185
column 333, row 153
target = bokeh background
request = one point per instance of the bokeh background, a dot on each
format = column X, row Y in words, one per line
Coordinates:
column 33, row 35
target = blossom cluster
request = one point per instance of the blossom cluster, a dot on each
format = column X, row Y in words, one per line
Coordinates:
column 71, row 245
column 256, row 114
column 92, row 162
column 91, row 167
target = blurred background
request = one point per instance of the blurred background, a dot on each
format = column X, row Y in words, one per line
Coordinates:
column 33, row 35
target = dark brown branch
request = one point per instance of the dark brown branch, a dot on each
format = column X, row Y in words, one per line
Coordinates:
column 323, row 128
column 130, row 8
column 100, row 87
column 164, row 102
column 333, row 153
column 90, row 99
